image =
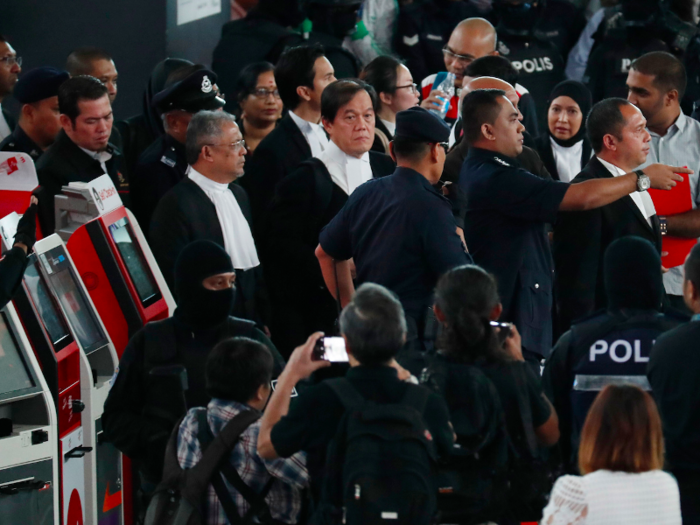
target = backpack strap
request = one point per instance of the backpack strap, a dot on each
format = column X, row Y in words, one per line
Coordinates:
column 348, row 394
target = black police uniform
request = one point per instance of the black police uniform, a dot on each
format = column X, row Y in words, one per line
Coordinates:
column 423, row 29
column 607, row 348
column 160, row 167
column 506, row 211
column 19, row 142
column 561, row 23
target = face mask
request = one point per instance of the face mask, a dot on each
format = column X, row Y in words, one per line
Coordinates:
column 202, row 308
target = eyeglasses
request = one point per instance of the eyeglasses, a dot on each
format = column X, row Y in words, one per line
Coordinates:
column 413, row 87
column 11, row 61
column 232, row 146
column 467, row 59
column 264, row 93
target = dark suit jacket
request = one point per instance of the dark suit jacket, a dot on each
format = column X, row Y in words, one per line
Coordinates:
column 275, row 157
column 580, row 241
column 381, row 134
column 11, row 122
column 291, row 231
column 185, row 214
column 65, row 162
column 544, row 148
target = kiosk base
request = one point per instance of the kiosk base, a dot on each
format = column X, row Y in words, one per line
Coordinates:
column 27, row 494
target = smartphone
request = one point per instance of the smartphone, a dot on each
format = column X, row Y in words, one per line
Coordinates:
column 503, row 331
column 331, row 349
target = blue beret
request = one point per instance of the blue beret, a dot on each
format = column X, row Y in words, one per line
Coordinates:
column 419, row 124
column 194, row 93
column 38, row 84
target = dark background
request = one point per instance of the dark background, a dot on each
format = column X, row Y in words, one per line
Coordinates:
column 137, row 33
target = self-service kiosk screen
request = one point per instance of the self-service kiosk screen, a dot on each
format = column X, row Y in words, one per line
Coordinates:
column 14, row 374
column 51, row 316
column 74, row 303
column 135, row 262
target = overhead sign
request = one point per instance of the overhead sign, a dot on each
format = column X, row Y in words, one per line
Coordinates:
column 191, row 10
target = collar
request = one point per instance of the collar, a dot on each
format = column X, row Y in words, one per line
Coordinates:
column 334, row 154
column 217, row 404
column 206, row 183
column 414, row 177
column 304, row 125
column 21, row 136
column 390, row 126
column 679, row 124
column 575, row 148
column 372, row 372
column 99, row 156
column 614, row 170
column 174, row 144
column 499, row 158
column 696, row 317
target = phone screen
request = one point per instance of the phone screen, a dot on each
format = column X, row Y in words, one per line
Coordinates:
column 334, row 350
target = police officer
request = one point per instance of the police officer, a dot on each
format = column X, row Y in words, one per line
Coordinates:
column 628, row 31
column 609, row 347
column 39, row 123
column 540, row 63
column 399, row 230
column 167, row 356
column 164, row 163
column 507, row 207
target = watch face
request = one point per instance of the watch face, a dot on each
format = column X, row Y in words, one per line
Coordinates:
column 645, row 183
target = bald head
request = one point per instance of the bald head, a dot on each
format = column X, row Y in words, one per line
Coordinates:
column 494, row 83
column 472, row 38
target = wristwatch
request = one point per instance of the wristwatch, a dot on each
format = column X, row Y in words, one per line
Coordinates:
column 643, row 180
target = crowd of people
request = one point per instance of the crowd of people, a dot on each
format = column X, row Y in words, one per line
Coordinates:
column 517, row 319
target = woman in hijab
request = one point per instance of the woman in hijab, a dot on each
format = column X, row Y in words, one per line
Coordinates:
column 565, row 149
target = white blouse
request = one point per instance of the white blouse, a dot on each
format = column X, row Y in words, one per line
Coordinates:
column 568, row 160
column 614, row 498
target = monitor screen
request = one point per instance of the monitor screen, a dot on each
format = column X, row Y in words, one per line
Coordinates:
column 14, row 374
column 70, row 295
column 50, row 315
column 135, row 262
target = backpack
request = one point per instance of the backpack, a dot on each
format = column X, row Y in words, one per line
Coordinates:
column 473, row 480
column 179, row 499
column 381, row 463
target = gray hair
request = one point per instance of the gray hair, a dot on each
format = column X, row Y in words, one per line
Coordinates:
column 373, row 324
column 206, row 127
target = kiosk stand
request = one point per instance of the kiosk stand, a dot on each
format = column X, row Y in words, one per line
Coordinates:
column 28, row 433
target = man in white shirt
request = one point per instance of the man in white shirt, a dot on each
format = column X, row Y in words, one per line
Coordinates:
column 656, row 83
column 301, row 74
column 10, row 67
column 208, row 206
column 620, row 141
column 306, row 200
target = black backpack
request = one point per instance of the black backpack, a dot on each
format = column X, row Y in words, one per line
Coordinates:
column 381, row 463
column 179, row 498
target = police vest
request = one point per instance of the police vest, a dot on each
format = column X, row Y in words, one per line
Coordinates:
column 611, row 350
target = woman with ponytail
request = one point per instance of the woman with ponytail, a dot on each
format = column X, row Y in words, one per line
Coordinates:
column 467, row 305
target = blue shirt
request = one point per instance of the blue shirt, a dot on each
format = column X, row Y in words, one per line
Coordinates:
column 506, row 210
column 402, row 235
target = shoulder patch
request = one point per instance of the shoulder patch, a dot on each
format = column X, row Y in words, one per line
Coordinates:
column 434, row 37
column 503, row 49
column 501, row 161
column 168, row 161
column 411, row 41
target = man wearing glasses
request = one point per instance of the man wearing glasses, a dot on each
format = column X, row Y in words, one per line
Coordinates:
column 472, row 38
column 164, row 162
column 10, row 68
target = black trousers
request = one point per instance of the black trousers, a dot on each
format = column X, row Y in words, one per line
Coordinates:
column 689, row 486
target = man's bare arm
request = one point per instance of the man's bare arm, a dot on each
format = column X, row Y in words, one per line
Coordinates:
column 332, row 269
column 685, row 225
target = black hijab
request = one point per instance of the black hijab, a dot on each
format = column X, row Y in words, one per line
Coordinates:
column 580, row 94
column 156, row 83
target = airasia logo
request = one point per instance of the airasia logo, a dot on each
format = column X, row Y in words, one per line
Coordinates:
column 535, row 65
column 11, row 165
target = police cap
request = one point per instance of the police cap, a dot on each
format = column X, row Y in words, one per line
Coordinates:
column 194, row 93
column 421, row 125
column 38, row 84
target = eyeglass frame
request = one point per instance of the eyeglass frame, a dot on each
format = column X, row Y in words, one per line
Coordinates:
column 274, row 92
column 413, row 86
column 462, row 58
column 12, row 60
column 232, row 145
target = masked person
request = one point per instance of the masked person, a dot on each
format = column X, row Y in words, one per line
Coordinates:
column 162, row 371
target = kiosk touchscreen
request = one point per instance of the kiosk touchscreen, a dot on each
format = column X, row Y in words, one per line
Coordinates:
column 78, row 361
column 17, row 181
column 28, row 432
column 113, row 258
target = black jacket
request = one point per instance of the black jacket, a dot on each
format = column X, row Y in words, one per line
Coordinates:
column 544, row 148
column 382, row 137
column 19, row 142
column 275, row 157
column 65, row 162
column 185, row 214
column 296, row 216
column 580, row 241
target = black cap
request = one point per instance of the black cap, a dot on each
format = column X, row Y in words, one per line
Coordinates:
column 419, row 124
column 192, row 94
column 38, row 84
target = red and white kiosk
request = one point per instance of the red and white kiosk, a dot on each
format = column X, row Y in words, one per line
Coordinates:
column 29, row 440
column 17, row 181
column 78, row 361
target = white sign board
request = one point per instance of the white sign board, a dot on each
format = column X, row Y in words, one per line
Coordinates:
column 17, row 172
column 102, row 191
column 191, row 10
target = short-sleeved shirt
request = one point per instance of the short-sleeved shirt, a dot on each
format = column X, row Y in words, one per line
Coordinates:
column 504, row 226
column 402, row 235
column 313, row 420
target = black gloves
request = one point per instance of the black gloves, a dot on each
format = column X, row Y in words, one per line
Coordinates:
column 26, row 228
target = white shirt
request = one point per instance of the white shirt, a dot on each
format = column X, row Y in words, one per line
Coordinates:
column 614, row 498
column 5, row 130
column 100, row 156
column 347, row 172
column 568, row 160
column 313, row 133
column 238, row 239
column 641, row 199
column 390, row 126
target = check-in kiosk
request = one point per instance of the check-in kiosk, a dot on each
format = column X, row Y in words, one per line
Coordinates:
column 78, row 362
column 113, row 258
column 28, row 432
column 17, row 181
